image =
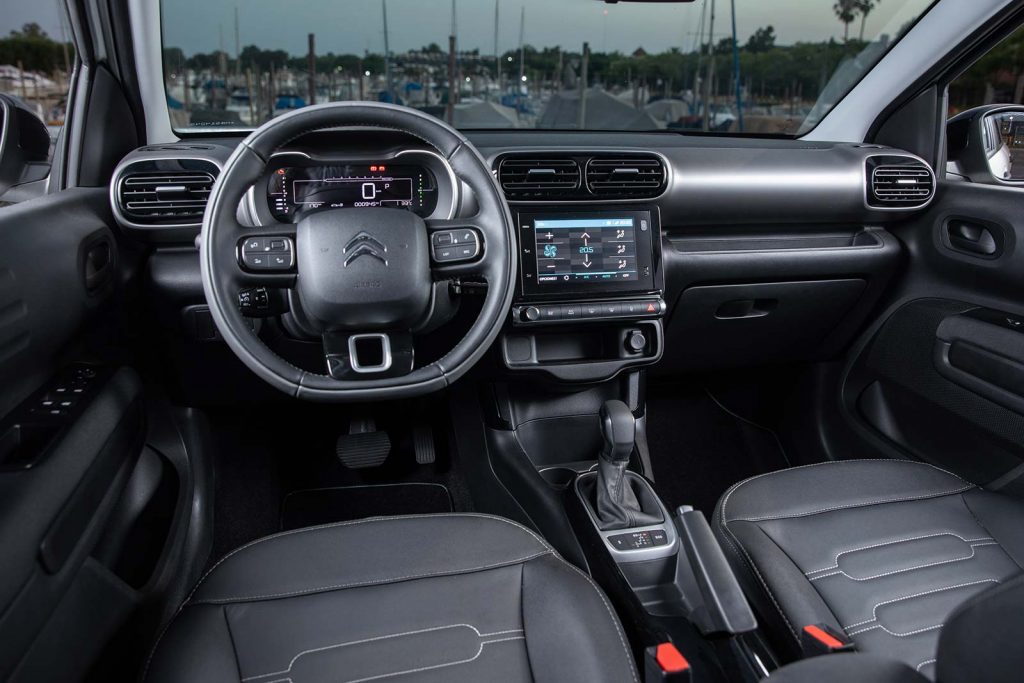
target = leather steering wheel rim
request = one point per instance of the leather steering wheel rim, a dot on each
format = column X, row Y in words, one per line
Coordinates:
column 221, row 232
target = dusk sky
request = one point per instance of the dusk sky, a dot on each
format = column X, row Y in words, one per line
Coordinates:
column 356, row 25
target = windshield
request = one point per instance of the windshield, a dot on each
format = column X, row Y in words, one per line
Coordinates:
column 764, row 68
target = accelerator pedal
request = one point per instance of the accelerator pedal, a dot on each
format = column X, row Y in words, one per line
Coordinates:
column 423, row 444
column 363, row 446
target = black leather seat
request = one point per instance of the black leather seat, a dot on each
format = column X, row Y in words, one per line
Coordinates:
column 883, row 550
column 459, row 597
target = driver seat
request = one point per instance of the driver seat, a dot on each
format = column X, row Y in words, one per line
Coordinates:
column 455, row 597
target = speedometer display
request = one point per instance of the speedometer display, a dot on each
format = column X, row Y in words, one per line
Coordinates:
column 293, row 191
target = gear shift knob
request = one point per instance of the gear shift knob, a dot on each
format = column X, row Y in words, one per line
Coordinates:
column 618, row 427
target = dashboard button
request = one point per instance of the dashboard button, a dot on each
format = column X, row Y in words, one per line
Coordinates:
column 571, row 312
column 609, row 309
column 591, row 310
column 550, row 312
column 531, row 314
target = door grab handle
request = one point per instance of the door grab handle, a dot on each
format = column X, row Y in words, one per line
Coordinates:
column 971, row 238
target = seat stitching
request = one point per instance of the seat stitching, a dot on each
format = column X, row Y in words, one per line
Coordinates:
column 436, row 666
column 874, row 610
column 421, row 669
column 835, row 563
column 231, row 639
column 374, row 582
column 353, row 523
column 363, row 641
column 880, row 501
column 907, row 569
column 611, row 613
column 832, row 462
column 924, row 664
column 970, row 511
column 896, row 635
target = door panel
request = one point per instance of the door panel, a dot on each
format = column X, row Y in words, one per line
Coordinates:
column 72, row 428
column 942, row 375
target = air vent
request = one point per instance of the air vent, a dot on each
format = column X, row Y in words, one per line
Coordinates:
column 539, row 178
column 907, row 185
column 625, row 177
column 164, row 197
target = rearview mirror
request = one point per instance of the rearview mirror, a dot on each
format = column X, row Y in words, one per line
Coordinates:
column 24, row 145
column 986, row 144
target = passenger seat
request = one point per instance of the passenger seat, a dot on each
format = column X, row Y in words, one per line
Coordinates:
column 881, row 550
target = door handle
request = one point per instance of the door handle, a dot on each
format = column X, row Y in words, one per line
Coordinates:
column 971, row 238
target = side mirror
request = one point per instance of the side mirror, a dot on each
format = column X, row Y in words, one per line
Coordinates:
column 986, row 144
column 24, row 145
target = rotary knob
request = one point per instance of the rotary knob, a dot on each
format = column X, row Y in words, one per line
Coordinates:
column 530, row 314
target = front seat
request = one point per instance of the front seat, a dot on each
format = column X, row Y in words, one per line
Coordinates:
column 883, row 550
column 457, row 597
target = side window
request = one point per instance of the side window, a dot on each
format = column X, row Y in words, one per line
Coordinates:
column 996, row 78
column 36, row 61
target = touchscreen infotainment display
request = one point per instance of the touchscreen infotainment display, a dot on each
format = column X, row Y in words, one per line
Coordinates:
column 586, row 253
column 585, row 249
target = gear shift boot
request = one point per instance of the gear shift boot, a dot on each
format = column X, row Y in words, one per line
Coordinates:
column 616, row 503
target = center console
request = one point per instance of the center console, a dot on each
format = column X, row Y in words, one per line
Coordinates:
column 590, row 296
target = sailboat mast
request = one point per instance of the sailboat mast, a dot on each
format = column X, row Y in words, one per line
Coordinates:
column 387, row 53
column 522, row 52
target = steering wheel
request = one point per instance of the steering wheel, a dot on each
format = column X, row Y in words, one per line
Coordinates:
column 361, row 278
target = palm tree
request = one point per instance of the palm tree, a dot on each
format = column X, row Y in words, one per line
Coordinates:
column 864, row 8
column 846, row 12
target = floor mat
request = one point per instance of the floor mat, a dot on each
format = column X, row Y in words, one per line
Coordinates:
column 340, row 504
column 699, row 448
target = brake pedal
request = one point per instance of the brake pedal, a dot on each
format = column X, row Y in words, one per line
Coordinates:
column 423, row 444
column 363, row 446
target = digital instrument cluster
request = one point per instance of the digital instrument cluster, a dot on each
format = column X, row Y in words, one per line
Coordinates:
column 296, row 190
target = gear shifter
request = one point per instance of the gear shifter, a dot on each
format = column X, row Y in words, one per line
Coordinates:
column 617, row 505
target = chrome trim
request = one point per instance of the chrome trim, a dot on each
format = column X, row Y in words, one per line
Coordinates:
column 139, row 157
column 904, row 155
column 670, row 549
column 669, row 171
column 456, row 185
column 353, row 359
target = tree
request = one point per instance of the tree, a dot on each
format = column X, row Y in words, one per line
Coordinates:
column 762, row 40
column 30, row 30
column 846, row 12
column 864, row 8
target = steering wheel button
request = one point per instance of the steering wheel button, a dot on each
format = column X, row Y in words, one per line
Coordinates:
column 278, row 244
column 443, row 238
column 466, row 251
column 254, row 244
column 280, row 261
column 256, row 260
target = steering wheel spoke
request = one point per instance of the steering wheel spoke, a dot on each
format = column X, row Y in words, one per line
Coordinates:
column 457, row 247
column 368, row 355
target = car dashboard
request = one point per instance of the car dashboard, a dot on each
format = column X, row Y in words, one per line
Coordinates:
column 652, row 250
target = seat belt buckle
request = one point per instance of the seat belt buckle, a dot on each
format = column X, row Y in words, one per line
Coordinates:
column 665, row 664
column 821, row 639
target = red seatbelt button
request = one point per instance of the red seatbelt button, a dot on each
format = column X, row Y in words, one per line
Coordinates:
column 665, row 664
column 820, row 639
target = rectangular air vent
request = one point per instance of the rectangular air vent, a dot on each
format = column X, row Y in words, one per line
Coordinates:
column 164, row 197
column 539, row 178
column 625, row 177
column 907, row 185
